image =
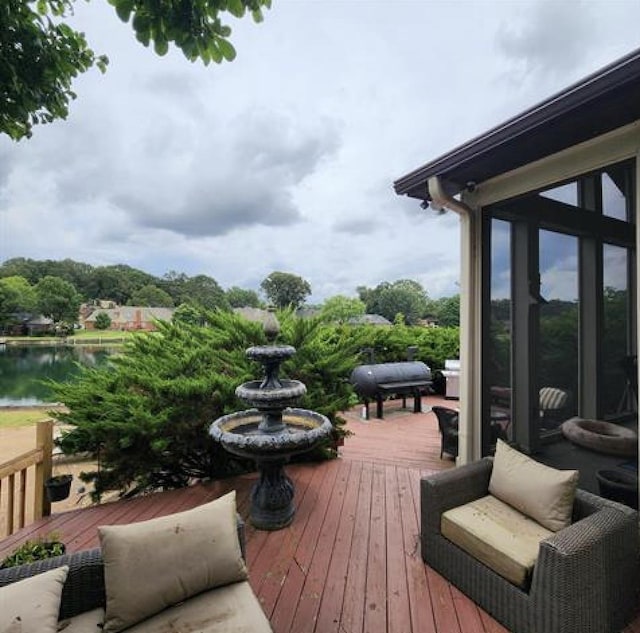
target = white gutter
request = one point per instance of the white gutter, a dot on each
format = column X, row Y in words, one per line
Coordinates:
column 469, row 438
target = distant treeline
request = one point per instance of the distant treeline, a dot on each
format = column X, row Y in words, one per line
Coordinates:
column 125, row 285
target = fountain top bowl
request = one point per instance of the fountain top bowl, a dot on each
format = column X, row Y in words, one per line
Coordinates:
column 262, row 353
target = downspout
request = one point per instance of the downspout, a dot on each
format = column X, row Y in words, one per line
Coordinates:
column 470, row 431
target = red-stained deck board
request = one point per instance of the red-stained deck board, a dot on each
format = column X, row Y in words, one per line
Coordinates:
column 417, row 588
column 439, row 589
column 330, row 612
column 350, row 562
column 288, row 542
column 375, row 607
column 398, row 610
column 353, row 605
column 309, row 601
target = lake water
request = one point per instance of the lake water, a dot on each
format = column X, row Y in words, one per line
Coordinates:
column 22, row 370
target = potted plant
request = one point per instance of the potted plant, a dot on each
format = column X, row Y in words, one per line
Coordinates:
column 58, row 487
column 31, row 551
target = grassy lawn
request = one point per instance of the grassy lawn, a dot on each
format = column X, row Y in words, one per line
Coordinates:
column 14, row 418
column 79, row 336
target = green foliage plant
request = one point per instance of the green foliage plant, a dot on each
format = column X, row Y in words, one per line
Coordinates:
column 39, row 57
column 40, row 54
column 145, row 418
column 34, row 550
column 434, row 345
column 103, row 321
column 58, row 299
column 285, row 290
column 340, row 308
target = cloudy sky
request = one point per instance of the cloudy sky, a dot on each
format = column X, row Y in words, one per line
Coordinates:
column 284, row 159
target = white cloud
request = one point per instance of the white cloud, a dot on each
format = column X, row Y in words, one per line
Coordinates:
column 285, row 158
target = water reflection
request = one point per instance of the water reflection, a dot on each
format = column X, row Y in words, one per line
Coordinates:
column 23, row 370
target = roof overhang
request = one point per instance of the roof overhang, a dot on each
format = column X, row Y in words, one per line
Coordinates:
column 600, row 103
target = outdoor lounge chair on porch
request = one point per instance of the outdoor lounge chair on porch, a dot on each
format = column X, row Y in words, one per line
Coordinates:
column 583, row 578
column 448, row 425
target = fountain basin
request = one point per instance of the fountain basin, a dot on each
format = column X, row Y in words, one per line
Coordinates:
column 239, row 434
column 287, row 394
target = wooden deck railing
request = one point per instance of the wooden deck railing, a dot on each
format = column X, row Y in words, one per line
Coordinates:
column 13, row 482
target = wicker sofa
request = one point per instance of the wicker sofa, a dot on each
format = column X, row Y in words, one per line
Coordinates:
column 586, row 575
column 230, row 606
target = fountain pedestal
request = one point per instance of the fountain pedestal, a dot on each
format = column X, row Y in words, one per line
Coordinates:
column 272, row 504
column 270, row 434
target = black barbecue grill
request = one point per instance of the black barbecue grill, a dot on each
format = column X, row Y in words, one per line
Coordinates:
column 381, row 380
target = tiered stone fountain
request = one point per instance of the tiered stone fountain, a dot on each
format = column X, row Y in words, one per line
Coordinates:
column 271, row 432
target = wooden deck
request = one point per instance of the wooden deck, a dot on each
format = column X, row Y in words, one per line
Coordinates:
column 350, row 561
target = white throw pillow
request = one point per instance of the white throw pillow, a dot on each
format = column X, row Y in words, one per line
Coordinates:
column 540, row 492
column 151, row 565
column 32, row 605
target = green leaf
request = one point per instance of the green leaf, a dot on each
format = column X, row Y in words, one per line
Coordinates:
column 236, row 8
column 161, row 47
column 227, row 50
column 215, row 52
column 124, row 9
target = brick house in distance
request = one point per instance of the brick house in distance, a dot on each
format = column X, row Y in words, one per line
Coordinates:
column 126, row 318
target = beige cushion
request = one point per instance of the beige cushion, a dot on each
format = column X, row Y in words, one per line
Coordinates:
column 87, row 622
column 230, row 609
column 154, row 564
column 497, row 535
column 32, row 605
column 542, row 493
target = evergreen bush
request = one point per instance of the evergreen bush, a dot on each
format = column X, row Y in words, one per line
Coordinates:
column 145, row 417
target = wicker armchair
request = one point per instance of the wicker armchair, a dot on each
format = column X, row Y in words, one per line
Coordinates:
column 586, row 576
column 448, row 425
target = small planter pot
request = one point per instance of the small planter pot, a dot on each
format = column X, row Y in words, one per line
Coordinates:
column 618, row 485
column 58, row 488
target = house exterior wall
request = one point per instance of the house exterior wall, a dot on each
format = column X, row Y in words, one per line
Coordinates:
column 613, row 147
column 131, row 318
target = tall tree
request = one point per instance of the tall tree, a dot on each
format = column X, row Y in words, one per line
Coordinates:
column 446, row 310
column 205, row 292
column 16, row 295
column 241, row 298
column 285, row 289
column 40, row 54
column 201, row 291
column 404, row 296
column 58, row 300
column 340, row 308
column 151, row 296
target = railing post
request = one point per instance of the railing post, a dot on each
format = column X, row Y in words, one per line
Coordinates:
column 44, row 441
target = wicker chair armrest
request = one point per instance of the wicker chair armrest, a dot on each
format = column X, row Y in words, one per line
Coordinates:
column 84, row 588
column 594, row 561
column 613, row 527
column 448, row 489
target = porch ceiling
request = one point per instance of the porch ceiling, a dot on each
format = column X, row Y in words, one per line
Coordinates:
column 603, row 101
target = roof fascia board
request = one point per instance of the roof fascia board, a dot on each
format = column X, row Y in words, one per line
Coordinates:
column 618, row 73
column 591, row 155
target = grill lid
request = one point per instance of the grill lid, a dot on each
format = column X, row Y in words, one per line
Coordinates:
column 368, row 379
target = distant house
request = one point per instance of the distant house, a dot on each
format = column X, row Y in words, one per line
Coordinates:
column 369, row 319
column 39, row 325
column 428, row 321
column 27, row 324
column 252, row 314
column 127, row 318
